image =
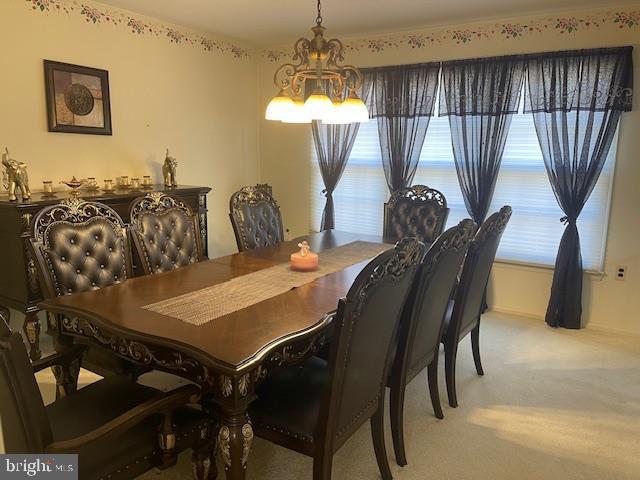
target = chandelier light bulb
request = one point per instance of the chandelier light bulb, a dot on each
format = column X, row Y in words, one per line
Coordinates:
column 296, row 113
column 336, row 117
column 354, row 109
column 318, row 106
column 279, row 107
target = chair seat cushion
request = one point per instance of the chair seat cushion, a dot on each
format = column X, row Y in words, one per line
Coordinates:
column 289, row 402
column 136, row 451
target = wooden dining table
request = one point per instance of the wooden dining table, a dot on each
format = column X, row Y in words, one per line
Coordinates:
column 230, row 355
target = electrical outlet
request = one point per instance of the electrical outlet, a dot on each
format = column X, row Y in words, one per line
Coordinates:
column 621, row 273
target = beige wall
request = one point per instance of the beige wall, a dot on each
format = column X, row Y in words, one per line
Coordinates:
column 162, row 95
column 608, row 304
column 178, row 96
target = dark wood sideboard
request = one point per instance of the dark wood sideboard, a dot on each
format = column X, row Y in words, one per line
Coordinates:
column 19, row 287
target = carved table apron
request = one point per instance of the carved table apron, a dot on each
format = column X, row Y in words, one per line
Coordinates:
column 228, row 356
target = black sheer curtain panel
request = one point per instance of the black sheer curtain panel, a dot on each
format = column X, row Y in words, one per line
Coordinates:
column 480, row 97
column 333, row 146
column 402, row 101
column 576, row 99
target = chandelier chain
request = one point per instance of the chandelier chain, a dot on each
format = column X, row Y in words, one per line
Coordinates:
column 319, row 17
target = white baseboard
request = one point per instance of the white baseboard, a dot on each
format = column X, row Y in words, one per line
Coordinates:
column 596, row 327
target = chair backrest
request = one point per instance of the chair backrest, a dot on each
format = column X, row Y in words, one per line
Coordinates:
column 475, row 273
column 418, row 211
column 79, row 246
column 165, row 232
column 25, row 425
column 423, row 316
column 256, row 219
column 366, row 323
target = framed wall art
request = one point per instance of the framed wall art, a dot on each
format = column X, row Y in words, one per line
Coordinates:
column 77, row 99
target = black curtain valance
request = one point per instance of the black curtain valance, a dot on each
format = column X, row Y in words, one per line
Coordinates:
column 485, row 86
column 596, row 80
column 403, row 91
column 394, row 87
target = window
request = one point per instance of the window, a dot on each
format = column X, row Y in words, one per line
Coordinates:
column 534, row 232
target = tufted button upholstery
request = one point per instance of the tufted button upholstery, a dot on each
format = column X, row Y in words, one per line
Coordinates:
column 82, row 246
column 261, row 225
column 168, row 240
column 166, row 233
column 79, row 262
column 418, row 212
column 256, row 219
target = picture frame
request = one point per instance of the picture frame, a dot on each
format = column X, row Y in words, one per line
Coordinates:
column 78, row 99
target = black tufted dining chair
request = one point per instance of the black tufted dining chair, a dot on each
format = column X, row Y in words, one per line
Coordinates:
column 418, row 211
column 316, row 406
column 256, row 219
column 80, row 246
column 464, row 311
column 165, row 233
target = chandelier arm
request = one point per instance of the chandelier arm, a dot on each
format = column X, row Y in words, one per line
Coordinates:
column 297, row 84
column 286, row 71
column 337, row 87
column 353, row 77
column 301, row 52
column 335, row 50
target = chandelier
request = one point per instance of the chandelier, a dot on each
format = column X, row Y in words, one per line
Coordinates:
column 317, row 65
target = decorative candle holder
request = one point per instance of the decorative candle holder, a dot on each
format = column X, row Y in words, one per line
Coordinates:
column 304, row 260
column 125, row 182
column 147, row 182
column 91, row 184
column 47, row 188
column 108, row 186
column 135, row 183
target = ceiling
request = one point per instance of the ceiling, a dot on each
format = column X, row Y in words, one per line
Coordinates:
column 273, row 22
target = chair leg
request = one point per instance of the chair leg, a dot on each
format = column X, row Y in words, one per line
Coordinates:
column 450, row 354
column 322, row 466
column 397, row 422
column 475, row 346
column 432, row 374
column 167, row 443
column 203, row 460
column 377, row 433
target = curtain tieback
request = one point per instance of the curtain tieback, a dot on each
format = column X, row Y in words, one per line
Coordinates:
column 568, row 220
column 327, row 193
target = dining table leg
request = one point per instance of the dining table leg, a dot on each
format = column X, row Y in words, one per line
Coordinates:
column 234, row 441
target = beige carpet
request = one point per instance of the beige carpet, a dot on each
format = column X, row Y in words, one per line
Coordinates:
column 554, row 404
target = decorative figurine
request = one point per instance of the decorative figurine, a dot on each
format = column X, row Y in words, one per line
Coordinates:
column 169, row 171
column 14, row 176
column 304, row 260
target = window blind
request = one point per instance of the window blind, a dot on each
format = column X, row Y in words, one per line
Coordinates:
column 534, row 232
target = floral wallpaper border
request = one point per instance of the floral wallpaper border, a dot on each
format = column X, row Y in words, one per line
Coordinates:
column 561, row 25
column 97, row 14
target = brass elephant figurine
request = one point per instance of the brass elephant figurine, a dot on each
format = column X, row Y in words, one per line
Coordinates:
column 169, row 171
column 15, row 177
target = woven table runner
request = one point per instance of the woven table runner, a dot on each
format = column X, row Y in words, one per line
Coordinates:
column 207, row 304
